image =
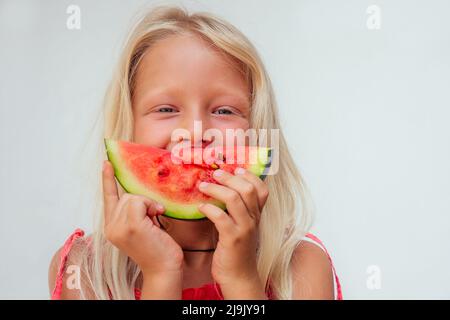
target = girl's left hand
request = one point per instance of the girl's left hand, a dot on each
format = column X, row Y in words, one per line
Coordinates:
column 234, row 260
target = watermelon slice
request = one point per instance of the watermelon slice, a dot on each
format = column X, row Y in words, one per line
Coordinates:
column 152, row 172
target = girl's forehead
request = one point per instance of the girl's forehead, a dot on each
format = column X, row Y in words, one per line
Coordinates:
column 190, row 62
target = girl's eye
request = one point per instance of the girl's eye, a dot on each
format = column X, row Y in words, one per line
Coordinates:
column 223, row 111
column 166, row 109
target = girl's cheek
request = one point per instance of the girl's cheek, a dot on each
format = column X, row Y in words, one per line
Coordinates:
column 154, row 133
column 236, row 123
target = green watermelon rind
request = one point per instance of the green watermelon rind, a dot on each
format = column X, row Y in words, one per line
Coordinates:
column 261, row 168
column 173, row 209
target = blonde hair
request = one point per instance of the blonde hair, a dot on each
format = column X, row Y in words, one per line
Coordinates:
column 286, row 217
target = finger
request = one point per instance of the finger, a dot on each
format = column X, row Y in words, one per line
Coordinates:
column 121, row 216
column 139, row 208
column 110, row 195
column 235, row 205
column 120, row 190
column 155, row 221
column 262, row 189
column 220, row 218
column 246, row 190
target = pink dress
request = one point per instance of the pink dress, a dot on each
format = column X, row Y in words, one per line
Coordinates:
column 209, row 291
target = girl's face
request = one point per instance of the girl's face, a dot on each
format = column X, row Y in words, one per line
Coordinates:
column 182, row 79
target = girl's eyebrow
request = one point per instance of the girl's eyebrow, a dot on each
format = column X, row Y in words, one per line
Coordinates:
column 165, row 93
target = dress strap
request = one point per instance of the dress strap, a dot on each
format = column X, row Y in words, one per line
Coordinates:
column 56, row 294
column 336, row 278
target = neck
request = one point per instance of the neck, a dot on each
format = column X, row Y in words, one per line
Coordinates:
column 192, row 235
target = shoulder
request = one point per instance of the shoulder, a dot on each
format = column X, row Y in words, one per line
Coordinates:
column 312, row 272
column 66, row 262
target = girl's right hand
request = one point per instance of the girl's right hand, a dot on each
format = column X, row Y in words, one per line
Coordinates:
column 128, row 227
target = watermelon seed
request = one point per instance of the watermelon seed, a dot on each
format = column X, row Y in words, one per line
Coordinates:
column 164, row 172
column 214, row 166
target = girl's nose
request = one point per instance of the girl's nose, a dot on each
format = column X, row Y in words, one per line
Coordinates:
column 196, row 123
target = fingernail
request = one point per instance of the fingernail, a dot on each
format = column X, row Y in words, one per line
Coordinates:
column 239, row 171
column 203, row 185
column 104, row 165
column 160, row 207
column 218, row 173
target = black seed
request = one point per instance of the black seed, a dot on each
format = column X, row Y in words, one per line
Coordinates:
column 163, row 172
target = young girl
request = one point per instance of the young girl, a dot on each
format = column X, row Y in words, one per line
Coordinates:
column 175, row 69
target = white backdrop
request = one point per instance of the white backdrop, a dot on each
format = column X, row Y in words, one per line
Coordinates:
column 365, row 111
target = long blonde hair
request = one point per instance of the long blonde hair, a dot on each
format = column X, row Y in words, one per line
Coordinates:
column 287, row 215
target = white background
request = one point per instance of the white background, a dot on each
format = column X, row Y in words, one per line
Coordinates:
column 366, row 114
